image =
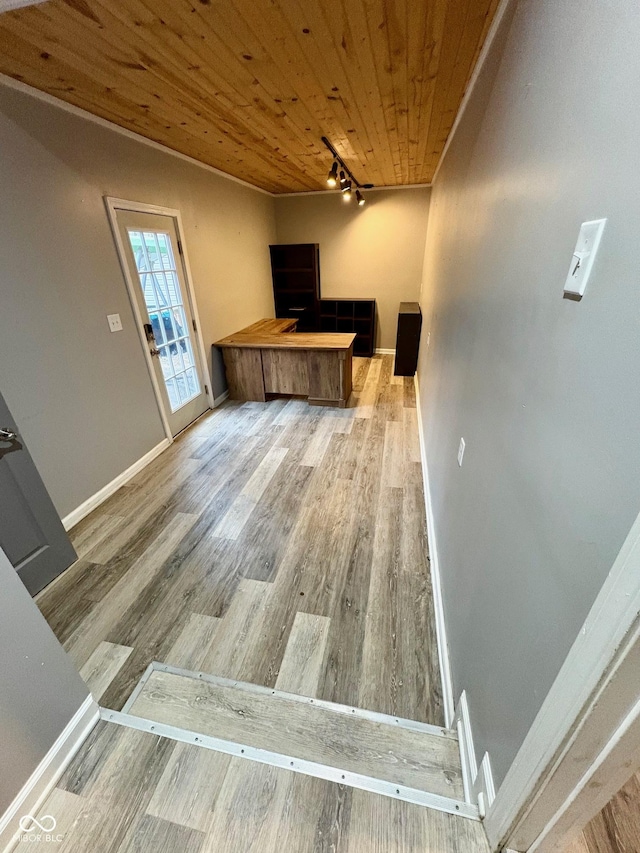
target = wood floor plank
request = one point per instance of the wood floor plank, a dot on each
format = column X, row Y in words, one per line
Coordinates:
column 153, row 835
column 367, row 397
column 64, row 808
column 93, row 530
column 191, row 647
column 392, row 826
column 246, row 816
column 189, row 786
column 95, row 628
column 307, row 731
column 319, row 444
column 616, row 829
column 239, row 628
column 118, row 790
column 410, row 434
column 304, row 655
column 263, row 542
column 393, row 465
column 381, row 679
column 103, row 666
column 409, row 398
column 135, row 513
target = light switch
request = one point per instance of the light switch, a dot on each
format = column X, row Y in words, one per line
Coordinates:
column 115, row 323
column 583, row 257
column 461, row 451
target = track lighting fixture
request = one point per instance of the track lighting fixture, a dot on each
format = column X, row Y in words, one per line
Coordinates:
column 347, row 180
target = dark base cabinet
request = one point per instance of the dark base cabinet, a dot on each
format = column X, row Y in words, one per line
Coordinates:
column 295, row 269
column 408, row 339
column 351, row 315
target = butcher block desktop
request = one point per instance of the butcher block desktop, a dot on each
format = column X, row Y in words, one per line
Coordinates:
column 270, row 358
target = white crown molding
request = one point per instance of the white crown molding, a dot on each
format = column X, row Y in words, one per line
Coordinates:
column 484, row 53
column 8, row 5
column 19, row 86
column 364, row 189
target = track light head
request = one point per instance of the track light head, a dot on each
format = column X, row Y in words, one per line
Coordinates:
column 360, row 198
column 346, row 190
column 332, row 177
column 343, row 179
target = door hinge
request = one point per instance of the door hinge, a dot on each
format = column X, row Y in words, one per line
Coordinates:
column 180, row 246
column 206, row 389
column 193, row 323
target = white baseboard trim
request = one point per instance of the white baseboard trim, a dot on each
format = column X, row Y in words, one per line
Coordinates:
column 385, row 352
column 441, row 629
column 105, row 492
column 218, row 401
column 47, row 773
column 479, row 788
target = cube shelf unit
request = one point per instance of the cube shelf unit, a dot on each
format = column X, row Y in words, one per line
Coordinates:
column 351, row 315
column 295, row 269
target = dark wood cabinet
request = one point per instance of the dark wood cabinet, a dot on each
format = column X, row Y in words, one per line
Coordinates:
column 351, row 315
column 408, row 339
column 295, row 269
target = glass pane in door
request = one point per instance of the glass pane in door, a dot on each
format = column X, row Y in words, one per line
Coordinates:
column 157, row 272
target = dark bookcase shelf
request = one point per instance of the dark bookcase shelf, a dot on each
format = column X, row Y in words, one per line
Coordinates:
column 295, row 269
column 351, row 315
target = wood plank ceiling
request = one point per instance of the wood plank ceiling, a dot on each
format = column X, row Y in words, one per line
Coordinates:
column 250, row 86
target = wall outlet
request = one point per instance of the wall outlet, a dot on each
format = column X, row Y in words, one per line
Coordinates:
column 115, row 323
column 461, row 451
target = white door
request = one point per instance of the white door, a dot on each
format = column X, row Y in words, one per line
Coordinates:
column 153, row 255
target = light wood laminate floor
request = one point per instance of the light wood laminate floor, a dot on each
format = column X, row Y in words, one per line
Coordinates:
column 133, row 792
column 257, row 518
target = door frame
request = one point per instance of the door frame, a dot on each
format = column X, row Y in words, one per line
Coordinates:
column 113, row 205
column 584, row 742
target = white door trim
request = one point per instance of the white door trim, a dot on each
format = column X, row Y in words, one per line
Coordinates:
column 575, row 738
column 113, row 205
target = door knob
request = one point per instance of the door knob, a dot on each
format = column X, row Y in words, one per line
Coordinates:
column 7, row 434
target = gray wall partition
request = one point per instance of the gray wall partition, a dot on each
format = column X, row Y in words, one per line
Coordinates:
column 544, row 390
column 40, row 691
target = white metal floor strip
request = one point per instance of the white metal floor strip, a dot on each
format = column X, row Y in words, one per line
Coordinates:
column 309, row 768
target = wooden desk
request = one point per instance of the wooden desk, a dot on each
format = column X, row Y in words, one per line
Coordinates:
column 269, row 358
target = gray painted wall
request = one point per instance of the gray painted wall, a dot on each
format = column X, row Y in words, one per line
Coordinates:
column 545, row 391
column 82, row 395
column 40, row 689
column 372, row 251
